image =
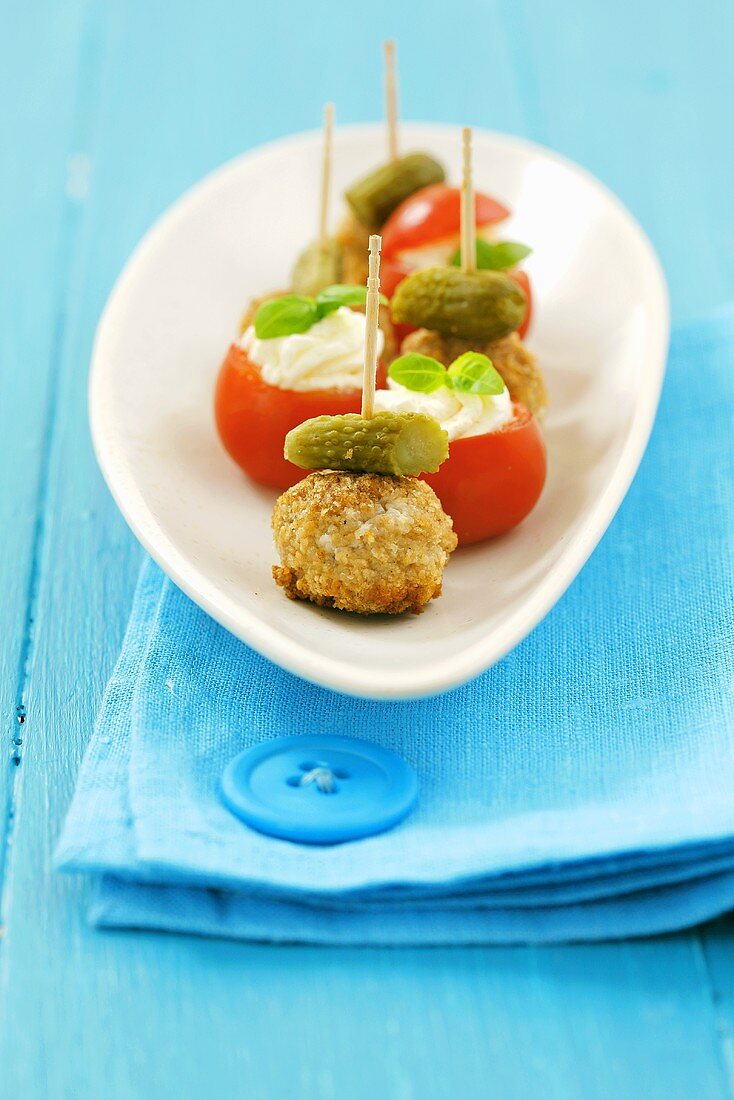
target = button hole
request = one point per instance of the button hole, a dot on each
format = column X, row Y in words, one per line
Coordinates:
column 320, row 775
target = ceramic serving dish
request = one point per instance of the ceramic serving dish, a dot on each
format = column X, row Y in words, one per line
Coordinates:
column 600, row 331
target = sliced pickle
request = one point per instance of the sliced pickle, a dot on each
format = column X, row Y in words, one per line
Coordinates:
column 483, row 305
column 386, row 443
column 374, row 197
column 317, row 267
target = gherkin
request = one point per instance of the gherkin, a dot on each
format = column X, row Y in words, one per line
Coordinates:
column 318, row 266
column 386, row 443
column 374, row 197
column 481, row 305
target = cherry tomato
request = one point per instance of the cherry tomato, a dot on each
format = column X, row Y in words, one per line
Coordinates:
column 392, row 272
column 490, row 482
column 432, row 214
column 401, row 331
column 253, row 418
column 520, row 277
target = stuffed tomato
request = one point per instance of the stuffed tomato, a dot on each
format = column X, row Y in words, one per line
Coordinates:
column 299, row 358
column 491, row 482
column 424, row 231
column 496, row 465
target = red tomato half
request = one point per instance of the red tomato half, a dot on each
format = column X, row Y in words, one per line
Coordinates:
column 490, row 482
column 520, row 277
column 431, row 214
column 253, row 418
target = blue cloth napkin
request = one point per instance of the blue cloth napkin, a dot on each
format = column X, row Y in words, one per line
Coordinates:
column 582, row 788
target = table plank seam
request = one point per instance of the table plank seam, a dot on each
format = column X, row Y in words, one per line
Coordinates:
column 71, row 215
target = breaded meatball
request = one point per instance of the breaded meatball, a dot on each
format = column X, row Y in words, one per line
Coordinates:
column 361, row 542
column 516, row 365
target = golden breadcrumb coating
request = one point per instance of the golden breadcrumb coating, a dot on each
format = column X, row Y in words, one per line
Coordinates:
column 361, row 542
column 517, row 366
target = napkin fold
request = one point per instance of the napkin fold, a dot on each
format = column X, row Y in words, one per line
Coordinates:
column 583, row 788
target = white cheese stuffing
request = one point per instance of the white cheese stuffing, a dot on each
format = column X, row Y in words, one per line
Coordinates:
column 459, row 414
column 329, row 356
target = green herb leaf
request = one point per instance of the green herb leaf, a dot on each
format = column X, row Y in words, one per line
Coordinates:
column 332, row 297
column 473, row 372
column 420, row 373
column 496, row 256
column 284, row 316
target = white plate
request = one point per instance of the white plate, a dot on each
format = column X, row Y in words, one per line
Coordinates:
column 600, row 331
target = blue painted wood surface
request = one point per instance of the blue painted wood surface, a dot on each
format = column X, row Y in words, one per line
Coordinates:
column 109, row 111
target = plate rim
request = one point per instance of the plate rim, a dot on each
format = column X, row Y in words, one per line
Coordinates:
column 327, row 672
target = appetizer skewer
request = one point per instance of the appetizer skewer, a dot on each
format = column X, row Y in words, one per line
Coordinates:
column 425, row 230
column 298, row 354
column 298, row 357
column 497, row 464
column 342, row 258
column 372, row 198
column 468, row 251
column 391, row 100
column 358, row 533
column 452, row 311
column 326, row 176
column 320, row 264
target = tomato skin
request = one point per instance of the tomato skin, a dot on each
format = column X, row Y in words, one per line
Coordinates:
column 253, row 418
column 432, row 213
column 392, row 272
column 401, row 331
column 489, row 483
column 521, row 278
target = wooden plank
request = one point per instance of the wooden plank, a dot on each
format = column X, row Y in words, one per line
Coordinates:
column 643, row 101
column 165, row 1016
column 36, row 224
column 91, row 1014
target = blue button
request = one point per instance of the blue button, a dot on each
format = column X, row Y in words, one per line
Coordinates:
column 319, row 789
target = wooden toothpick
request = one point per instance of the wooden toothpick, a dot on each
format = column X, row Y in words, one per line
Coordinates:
column 372, row 321
column 468, row 212
column 391, row 101
column 326, row 176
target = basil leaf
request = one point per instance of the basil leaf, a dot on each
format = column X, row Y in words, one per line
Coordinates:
column 420, row 373
column 473, row 372
column 332, row 297
column 284, row 316
column 496, row 256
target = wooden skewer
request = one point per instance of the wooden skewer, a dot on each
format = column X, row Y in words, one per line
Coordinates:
column 468, row 212
column 373, row 316
column 326, row 176
column 391, row 101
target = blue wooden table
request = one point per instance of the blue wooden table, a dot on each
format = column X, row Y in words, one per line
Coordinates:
column 109, row 111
